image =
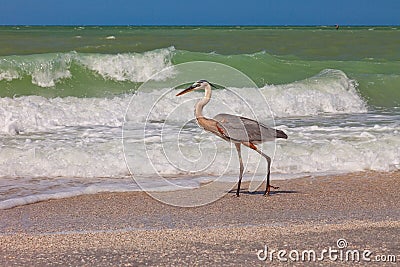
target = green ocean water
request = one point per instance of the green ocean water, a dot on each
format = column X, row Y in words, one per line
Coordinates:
column 77, row 61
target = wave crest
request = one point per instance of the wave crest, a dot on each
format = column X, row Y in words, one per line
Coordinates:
column 46, row 70
column 330, row 91
column 132, row 67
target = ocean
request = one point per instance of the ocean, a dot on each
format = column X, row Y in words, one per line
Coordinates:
column 74, row 118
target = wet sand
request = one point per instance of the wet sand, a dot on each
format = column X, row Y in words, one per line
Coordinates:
column 133, row 229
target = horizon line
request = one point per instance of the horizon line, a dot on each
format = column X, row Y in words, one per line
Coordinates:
column 199, row 25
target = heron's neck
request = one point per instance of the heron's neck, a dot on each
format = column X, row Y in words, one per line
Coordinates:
column 198, row 111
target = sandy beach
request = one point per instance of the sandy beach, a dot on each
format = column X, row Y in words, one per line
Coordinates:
column 84, row 106
column 133, row 229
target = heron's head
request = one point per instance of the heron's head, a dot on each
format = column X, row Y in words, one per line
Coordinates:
column 196, row 86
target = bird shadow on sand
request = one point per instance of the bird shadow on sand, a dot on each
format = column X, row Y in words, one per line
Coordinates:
column 261, row 192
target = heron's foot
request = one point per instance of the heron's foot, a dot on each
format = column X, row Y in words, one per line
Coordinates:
column 269, row 189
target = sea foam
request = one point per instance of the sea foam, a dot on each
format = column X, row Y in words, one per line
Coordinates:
column 330, row 91
column 134, row 67
column 46, row 70
column 59, row 145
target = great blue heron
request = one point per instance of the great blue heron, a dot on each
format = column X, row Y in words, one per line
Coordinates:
column 235, row 129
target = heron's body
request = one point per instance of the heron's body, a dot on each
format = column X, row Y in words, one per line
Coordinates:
column 236, row 129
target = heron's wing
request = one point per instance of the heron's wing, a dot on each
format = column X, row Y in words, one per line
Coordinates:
column 241, row 129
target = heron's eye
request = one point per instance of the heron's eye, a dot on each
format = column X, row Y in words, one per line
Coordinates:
column 198, row 85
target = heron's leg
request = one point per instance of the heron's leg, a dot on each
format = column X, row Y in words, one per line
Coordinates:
column 268, row 186
column 238, row 148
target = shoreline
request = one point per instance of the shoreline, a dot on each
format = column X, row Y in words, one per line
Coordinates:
column 134, row 229
column 231, row 183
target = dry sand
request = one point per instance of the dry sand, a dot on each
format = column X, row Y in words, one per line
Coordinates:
column 132, row 229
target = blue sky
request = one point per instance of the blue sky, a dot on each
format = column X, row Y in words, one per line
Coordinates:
column 201, row 12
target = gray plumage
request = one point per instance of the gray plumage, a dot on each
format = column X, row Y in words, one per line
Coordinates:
column 241, row 129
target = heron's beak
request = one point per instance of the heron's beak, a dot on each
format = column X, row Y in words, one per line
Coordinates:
column 187, row 90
